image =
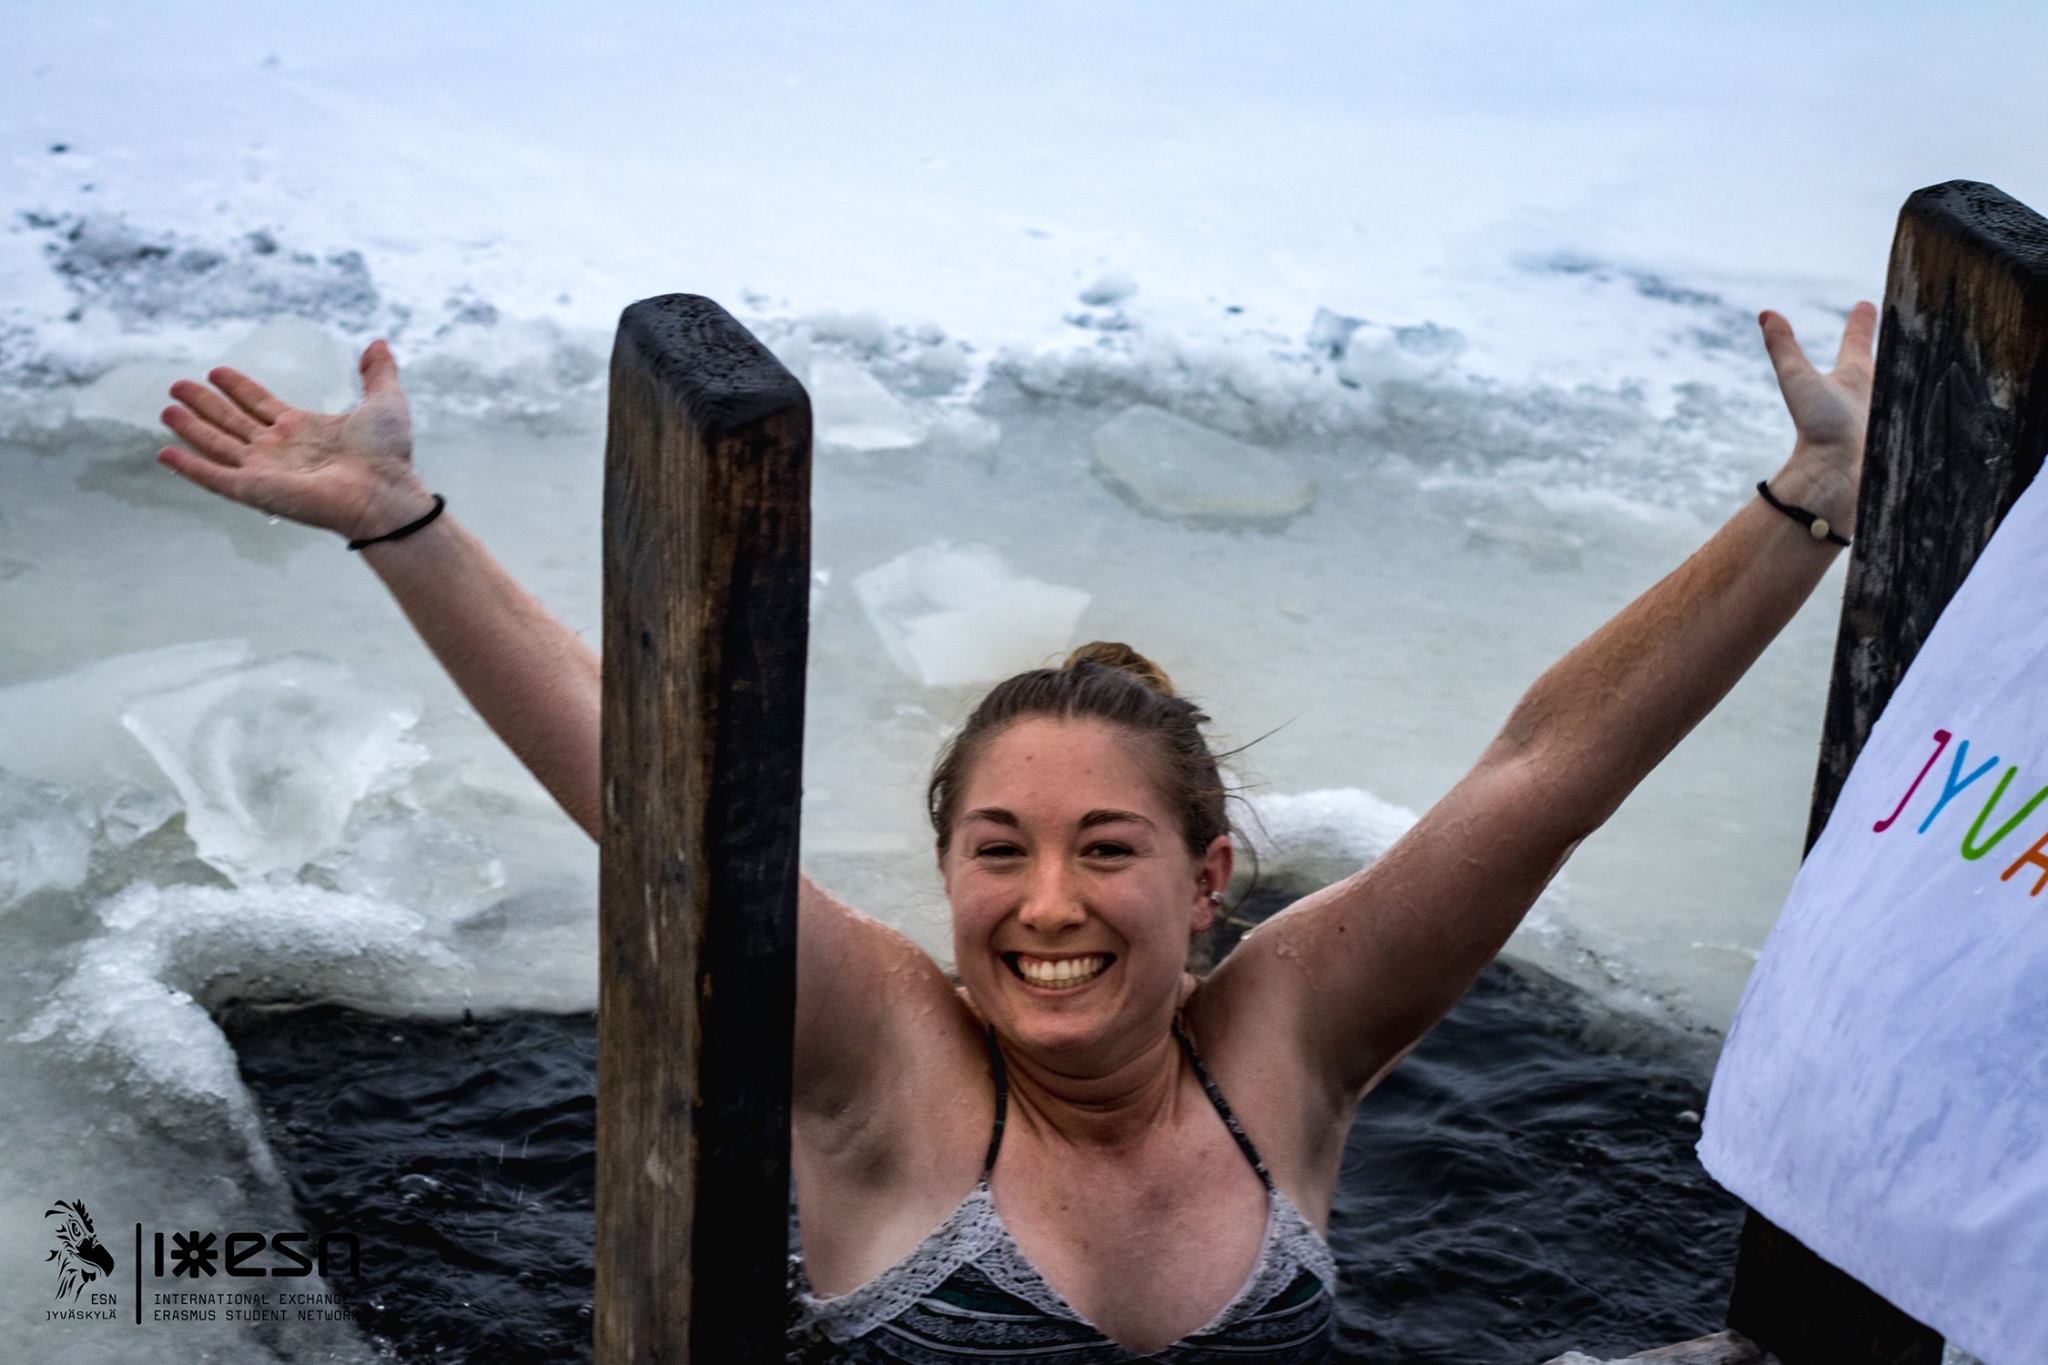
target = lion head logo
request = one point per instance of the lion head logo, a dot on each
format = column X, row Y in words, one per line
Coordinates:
column 79, row 1256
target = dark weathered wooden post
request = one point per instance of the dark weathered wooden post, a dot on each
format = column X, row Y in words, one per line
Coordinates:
column 706, row 595
column 1958, row 426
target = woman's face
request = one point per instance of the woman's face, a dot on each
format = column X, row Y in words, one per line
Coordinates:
column 1073, row 890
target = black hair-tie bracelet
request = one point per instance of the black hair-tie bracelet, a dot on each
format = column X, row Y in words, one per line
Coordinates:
column 1815, row 524
column 405, row 530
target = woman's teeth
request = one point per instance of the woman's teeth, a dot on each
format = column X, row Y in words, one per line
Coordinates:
column 1067, row 971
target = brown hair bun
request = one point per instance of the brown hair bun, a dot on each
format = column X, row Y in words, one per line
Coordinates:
column 1117, row 655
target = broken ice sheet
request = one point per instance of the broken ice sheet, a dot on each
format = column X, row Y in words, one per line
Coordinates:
column 133, row 812
column 955, row 616
column 45, row 838
column 409, row 858
column 1171, row 467
column 1543, row 548
column 299, row 361
column 61, row 728
column 270, row 757
column 1420, row 353
column 852, row 409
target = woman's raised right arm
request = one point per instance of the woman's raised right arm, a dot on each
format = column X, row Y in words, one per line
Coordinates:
column 530, row 678
column 528, row 675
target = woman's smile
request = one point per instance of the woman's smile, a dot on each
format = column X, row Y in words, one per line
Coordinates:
column 1060, row 975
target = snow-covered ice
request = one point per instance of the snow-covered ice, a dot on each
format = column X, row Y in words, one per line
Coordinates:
column 951, row 616
column 1485, row 278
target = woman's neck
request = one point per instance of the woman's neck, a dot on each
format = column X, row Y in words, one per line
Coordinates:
column 1101, row 1112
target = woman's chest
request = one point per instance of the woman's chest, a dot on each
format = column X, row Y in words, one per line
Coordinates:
column 1149, row 1251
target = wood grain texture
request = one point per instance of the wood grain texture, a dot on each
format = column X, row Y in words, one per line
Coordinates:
column 1958, row 427
column 706, row 611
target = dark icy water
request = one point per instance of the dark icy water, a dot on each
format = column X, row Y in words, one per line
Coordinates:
column 1524, row 1184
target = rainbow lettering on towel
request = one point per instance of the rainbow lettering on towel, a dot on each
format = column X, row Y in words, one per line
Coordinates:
column 1975, row 845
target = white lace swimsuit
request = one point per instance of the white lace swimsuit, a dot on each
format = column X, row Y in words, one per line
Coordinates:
column 967, row 1293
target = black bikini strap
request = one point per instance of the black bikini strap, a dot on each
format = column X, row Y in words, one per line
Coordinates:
column 1209, row 1088
column 1244, row 1144
column 995, row 1138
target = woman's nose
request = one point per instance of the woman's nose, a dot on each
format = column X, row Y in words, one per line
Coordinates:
column 1053, row 902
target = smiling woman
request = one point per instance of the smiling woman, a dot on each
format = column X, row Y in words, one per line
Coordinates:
column 1091, row 802
column 1091, row 848
column 1042, row 1157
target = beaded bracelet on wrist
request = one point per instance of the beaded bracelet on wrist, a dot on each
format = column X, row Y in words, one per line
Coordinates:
column 1816, row 525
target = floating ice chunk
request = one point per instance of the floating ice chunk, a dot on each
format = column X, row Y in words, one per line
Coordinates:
column 415, row 860
column 1170, row 467
column 528, row 369
column 852, row 409
column 271, row 757
column 1330, row 333
column 1316, row 838
column 793, row 349
column 1424, row 351
column 133, row 393
column 45, row 838
column 62, row 729
column 1431, row 342
column 1542, row 548
column 1319, row 837
column 298, row 360
column 952, row 617
column 861, row 331
column 964, row 432
column 133, row 812
column 1112, row 286
column 939, row 368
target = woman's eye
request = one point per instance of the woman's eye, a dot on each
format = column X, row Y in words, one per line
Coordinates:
column 1102, row 850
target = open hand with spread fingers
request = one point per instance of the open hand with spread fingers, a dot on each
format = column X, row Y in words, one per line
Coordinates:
column 1829, row 411
column 350, row 473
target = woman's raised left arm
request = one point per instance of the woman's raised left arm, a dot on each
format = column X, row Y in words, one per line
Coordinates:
column 1359, row 971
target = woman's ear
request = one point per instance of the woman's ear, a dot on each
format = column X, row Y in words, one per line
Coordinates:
column 1212, row 879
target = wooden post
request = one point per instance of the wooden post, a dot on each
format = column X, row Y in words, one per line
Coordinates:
column 706, row 615
column 1958, row 427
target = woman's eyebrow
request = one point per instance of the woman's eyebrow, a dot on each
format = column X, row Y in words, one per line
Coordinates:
column 1110, row 817
column 998, row 816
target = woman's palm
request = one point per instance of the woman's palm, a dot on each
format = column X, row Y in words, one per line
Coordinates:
column 348, row 473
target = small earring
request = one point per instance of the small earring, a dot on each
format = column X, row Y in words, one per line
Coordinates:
column 1215, row 898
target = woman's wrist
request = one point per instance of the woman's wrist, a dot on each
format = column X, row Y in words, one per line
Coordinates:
column 388, row 509
column 1821, row 483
